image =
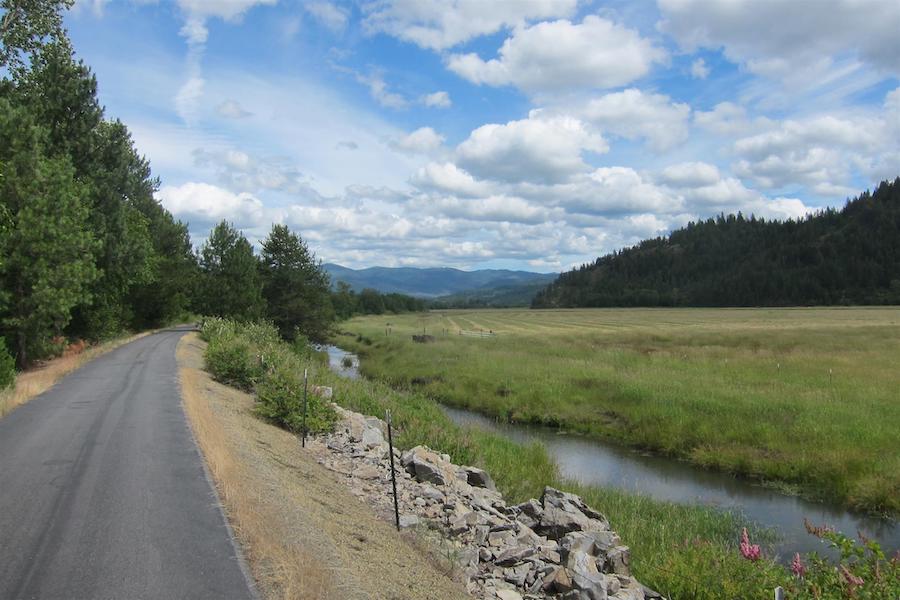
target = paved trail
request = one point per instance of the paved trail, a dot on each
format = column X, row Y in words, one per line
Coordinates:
column 103, row 493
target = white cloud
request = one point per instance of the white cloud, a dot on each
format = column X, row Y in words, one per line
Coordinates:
column 533, row 149
column 447, row 177
column 421, row 141
column 699, row 69
column 201, row 203
column 813, row 152
column 560, row 55
column 442, row 24
column 380, row 92
column 188, row 97
column 617, row 190
column 633, row 114
column 691, row 174
column 437, row 100
column 784, row 38
column 331, row 16
column 232, row 110
column 728, row 118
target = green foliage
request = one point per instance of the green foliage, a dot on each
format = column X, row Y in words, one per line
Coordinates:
column 834, row 257
column 295, row 286
column 280, row 396
column 253, row 356
column 348, row 303
column 25, row 25
column 47, row 264
column 232, row 361
column 7, row 367
column 230, row 282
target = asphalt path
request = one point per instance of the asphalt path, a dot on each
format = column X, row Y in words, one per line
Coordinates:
column 103, row 492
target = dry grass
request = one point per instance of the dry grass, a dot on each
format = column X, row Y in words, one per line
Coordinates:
column 41, row 378
column 283, row 570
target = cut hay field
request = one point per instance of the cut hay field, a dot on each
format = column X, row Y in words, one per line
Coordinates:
column 805, row 398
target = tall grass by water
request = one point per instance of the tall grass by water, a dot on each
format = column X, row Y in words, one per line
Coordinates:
column 805, row 399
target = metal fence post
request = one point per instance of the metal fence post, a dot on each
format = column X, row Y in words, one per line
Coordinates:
column 387, row 418
column 779, row 593
column 305, row 382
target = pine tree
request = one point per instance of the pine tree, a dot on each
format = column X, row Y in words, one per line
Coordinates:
column 295, row 286
column 231, row 284
column 47, row 252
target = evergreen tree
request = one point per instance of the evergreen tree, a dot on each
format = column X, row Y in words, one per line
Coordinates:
column 230, row 282
column 47, row 252
column 295, row 286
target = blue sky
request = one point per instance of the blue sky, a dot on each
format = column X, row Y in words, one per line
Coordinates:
column 533, row 134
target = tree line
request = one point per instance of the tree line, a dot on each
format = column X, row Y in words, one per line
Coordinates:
column 832, row 257
column 86, row 250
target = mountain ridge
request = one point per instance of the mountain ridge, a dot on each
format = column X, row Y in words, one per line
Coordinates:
column 431, row 282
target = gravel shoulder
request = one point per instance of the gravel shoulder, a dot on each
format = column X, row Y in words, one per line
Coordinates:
column 305, row 535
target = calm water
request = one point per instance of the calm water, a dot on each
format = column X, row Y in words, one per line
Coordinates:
column 595, row 462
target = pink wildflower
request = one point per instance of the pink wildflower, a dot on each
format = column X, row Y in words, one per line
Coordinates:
column 797, row 566
column 852, row 580
column 748, row 550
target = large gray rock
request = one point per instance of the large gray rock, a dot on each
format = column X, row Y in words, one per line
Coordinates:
column 427, row 466
column 528, row 513
column 586, row 578
column 479, row 478
column 564, row 512
column 595, row 543
column 515, row 555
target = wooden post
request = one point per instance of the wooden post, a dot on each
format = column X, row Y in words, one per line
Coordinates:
column 779, row 593
column 305, row 381
column 387, row 418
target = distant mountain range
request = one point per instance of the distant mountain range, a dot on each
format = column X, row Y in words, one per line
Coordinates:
column 520, row 286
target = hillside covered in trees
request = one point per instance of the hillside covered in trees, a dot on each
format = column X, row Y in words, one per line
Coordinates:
column 848, row 256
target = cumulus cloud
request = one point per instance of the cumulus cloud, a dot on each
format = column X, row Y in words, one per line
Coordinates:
column 421, row 141
column 437, row 100
column 782, row 38
column 534, row 149
column 634, row 114
column 442, row 24
column 690, row 174
column 617, row 190
column 561, row 55
column 447, row 177
column 811, row 151
column 329, row 15
column 205, row 204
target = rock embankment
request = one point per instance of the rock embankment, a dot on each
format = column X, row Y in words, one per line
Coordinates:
column 554, row 547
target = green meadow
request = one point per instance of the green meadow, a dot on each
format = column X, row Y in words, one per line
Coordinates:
column 807, row 399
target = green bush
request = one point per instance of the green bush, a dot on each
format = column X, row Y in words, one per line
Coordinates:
column 233, row 361
column 7, row 367
column 253, row 356
column 280, row 399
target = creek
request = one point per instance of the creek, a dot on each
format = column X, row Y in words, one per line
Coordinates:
column 604, row 464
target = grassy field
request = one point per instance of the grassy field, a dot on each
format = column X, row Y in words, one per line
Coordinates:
column 808, row 399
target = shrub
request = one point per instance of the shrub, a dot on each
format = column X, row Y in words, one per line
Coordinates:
column 233, row 361
column 280, row 399
column 7, row 367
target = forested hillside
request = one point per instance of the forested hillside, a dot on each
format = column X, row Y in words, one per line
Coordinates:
column 848, row 256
